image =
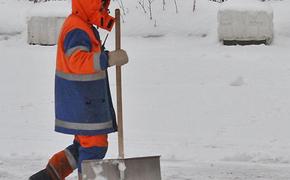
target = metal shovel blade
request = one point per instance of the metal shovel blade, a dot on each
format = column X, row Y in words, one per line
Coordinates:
column 141, row 168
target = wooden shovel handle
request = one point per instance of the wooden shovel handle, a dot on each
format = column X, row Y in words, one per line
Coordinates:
column 119, row 87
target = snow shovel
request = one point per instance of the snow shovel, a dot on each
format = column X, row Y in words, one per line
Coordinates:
column 138, row 168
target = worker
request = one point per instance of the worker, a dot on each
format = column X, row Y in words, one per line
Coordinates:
column 83, row 104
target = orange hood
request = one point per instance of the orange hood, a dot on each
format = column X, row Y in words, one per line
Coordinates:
column 94, row 12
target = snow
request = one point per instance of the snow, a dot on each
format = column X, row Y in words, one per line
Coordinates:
column 51, row 8
column 238, row 82
column 211, row 111
column 14, row 11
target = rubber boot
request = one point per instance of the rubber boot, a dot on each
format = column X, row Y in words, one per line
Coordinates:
column 41, row 175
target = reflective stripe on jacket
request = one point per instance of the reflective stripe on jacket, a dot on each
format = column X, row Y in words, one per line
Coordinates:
column 83, row 104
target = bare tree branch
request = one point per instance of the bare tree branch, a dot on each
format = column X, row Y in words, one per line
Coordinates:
column 142, row 6
column 163, row 5
column 150, row 8
column 176, row 7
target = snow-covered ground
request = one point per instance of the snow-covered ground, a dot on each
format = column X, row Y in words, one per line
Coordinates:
column 211, row 111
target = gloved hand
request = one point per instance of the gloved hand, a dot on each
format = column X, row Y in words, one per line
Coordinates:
column 118, row 57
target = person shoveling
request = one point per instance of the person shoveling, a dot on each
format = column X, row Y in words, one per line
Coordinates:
column 83, row 104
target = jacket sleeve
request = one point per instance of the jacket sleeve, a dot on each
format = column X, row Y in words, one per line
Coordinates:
column 81, row 59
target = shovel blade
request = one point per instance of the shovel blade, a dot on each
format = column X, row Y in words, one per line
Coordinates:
column 141, row 168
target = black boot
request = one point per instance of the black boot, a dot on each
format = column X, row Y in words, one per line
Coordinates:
column 41, row 175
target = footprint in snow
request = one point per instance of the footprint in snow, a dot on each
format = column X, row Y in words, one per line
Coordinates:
column 238, row 82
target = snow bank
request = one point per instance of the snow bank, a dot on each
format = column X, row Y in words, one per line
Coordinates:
column 245, row 21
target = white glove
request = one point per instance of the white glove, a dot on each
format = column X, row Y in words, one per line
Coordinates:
column 118, row 57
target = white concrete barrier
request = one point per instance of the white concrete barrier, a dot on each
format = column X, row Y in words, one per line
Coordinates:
column 245, row 21
column 44, row 30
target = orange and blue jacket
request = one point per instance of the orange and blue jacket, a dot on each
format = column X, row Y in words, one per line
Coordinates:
column 83, row 104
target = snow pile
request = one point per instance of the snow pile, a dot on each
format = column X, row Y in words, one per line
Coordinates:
column 245, row 20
